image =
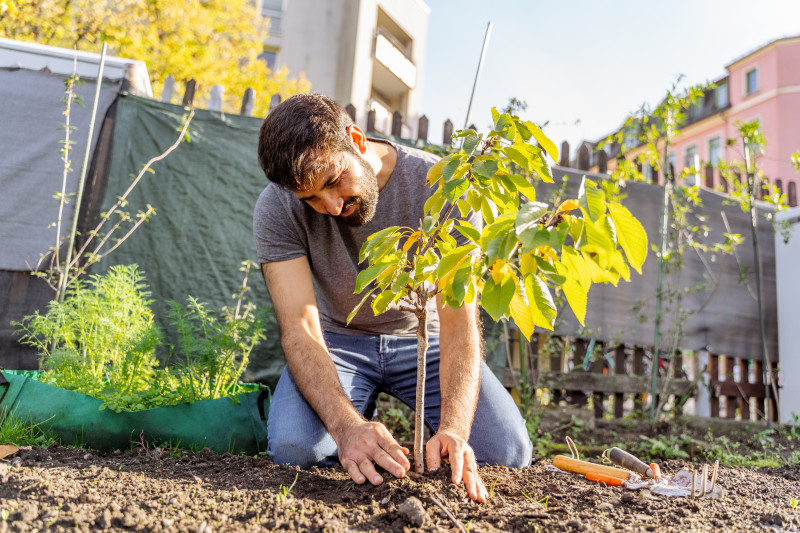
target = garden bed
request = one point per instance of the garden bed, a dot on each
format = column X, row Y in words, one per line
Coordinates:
column 153, row 489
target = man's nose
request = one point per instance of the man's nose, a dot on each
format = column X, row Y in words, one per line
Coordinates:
column 332, row 203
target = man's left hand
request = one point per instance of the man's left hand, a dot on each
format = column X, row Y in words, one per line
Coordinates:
column 462, row 462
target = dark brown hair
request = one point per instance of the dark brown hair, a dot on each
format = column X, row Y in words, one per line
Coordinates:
column 298, row 136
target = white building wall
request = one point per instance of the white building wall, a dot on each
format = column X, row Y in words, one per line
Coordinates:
column 787, row 259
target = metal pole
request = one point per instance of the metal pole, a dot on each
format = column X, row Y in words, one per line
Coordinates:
column 751, row 190
column 84, row 169
column 478, row 72
column 659, row 287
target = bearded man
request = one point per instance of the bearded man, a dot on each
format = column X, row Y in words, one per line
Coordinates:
column 331, row 187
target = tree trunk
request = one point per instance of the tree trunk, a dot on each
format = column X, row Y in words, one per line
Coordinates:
column 419, row 414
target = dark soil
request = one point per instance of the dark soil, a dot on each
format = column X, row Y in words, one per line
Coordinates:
column 60, row 489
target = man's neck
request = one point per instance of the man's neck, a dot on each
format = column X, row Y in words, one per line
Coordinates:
column 382, row 157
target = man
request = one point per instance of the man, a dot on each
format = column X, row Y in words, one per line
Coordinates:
column 332, row 188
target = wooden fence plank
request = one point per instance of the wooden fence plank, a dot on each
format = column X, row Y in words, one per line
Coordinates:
column 586, row 381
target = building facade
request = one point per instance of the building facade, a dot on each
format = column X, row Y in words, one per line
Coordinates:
column 762, row 85
column 368, row 53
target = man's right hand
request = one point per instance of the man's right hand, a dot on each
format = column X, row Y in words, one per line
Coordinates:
column 365, row 444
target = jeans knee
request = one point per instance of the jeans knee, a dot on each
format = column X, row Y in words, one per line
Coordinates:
column 305, row 453
column 513, row 450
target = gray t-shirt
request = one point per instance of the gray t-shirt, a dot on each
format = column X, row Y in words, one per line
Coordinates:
column 285, row 228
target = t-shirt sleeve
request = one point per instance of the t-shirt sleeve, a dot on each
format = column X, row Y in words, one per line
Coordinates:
column 277, row 234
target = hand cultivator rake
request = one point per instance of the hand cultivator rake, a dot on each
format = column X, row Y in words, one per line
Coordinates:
column 637, row 475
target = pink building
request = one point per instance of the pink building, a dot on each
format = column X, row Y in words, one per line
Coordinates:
column 762, row 85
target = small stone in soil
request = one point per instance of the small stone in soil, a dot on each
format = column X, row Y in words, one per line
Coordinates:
column 605, row 507
column 413, row 511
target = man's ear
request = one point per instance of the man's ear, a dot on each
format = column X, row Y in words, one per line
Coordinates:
column 358, row 138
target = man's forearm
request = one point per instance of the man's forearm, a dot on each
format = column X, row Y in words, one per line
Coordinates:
column 459, row 375
column 315, row 376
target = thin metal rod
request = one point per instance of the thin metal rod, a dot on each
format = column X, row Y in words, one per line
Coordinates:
column 84, row 170
column 757, row 260
column 659, row 287
column 478, row 72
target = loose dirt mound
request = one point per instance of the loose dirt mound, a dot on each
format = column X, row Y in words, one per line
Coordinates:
column 60, row 489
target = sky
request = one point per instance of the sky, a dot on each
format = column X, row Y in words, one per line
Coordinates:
column 583, row 66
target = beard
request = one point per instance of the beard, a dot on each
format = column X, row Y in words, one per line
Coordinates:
column 366, row 202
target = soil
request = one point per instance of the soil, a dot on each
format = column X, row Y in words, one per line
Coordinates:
column 150, row 489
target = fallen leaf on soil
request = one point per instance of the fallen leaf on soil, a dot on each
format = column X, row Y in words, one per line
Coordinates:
column 6, row 450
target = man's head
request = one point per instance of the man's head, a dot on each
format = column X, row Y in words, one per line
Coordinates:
column 309, row 145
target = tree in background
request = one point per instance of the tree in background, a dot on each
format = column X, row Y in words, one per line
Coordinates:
column 212, row 41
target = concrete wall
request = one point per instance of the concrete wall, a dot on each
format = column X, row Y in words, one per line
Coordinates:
column 787, row 257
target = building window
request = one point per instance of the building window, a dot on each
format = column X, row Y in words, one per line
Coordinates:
column 670, row 167
column 714, row 151
column 751, row 81
column 690, row 157
column 721, row 93
column 792, row 194
column 269, row 57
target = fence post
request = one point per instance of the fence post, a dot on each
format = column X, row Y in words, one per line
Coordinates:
column 619, row 369
column 371, row 120
column 274, row 101
column 422, row 129
column 397, row 124
column 188, row 96
column 563, row 159
column 215, row 98
column 247, row 102
column 583, row 158
column 702, row 398
column 351, row 111
column 602, row 162
column 169, row 89
column 447, row 135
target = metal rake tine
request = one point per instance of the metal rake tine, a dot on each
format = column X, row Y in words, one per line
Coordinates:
column 694, row 482
column 704, row 480
column 714, row 476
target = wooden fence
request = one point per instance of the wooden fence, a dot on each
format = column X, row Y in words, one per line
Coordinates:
column 615, row 379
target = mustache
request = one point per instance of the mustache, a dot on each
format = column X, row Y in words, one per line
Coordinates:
column 350, row 201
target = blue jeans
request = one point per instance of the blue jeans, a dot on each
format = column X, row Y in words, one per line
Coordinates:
column 369, row 365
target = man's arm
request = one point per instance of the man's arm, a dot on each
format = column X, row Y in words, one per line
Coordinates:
column 360, row 442
column 459, row 376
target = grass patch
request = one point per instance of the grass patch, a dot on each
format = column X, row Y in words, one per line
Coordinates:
column 19, row 432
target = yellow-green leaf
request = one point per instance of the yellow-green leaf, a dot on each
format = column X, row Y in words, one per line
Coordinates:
column 543, row 140
column 631, row 235
column 576, row 297
column 521, row 315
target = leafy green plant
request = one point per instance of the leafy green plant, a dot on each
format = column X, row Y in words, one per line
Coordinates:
column 664, row 447
column 283, row 490
column 102, row 340
column 525, row 248
column 19, row 432
column 793, row 503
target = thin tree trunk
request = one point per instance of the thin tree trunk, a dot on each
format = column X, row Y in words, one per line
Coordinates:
column 419, row 418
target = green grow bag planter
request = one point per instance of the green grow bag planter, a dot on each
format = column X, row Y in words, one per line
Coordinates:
column 222, row 425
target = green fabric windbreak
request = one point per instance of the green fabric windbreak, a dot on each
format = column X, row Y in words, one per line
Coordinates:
column 223, row 425
column 203, row 193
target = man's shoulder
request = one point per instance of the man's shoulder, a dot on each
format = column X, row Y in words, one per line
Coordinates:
column 416, row 154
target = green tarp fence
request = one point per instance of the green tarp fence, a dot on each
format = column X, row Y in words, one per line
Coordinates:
column 223, row 425
column 204, row 193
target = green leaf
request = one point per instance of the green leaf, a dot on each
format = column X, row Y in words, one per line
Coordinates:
column 504, row 125
column 502, row 224
column 453, row 190
column 518, row 156
column 485, row 168
column 356, row 308
column 468, row 230
column 597, row 234
column 523, row 186
column 461, row 281
column 521, row 313
column 431, row 201
column 435, row 172
column 452, row 260
column 497, row 297
column 449, row 169
column 528, row 216
column 374, row 240
column 592, row 199
column 381, row 302
column 548, row 145
column 540, row 302
column 471, row 141
column 576, row 297
column 577, row 267
column 367, row 275
column 534, row 238
column 631, row 235
column 427, row 225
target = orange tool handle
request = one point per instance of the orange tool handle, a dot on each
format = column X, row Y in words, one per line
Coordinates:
column 656, row 471
column 611, row 481
column 569, row 464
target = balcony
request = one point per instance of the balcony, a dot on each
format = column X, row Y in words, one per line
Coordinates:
column 395, row 73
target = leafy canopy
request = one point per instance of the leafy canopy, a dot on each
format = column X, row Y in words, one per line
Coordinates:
column 212, row 41
column 524, row 250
